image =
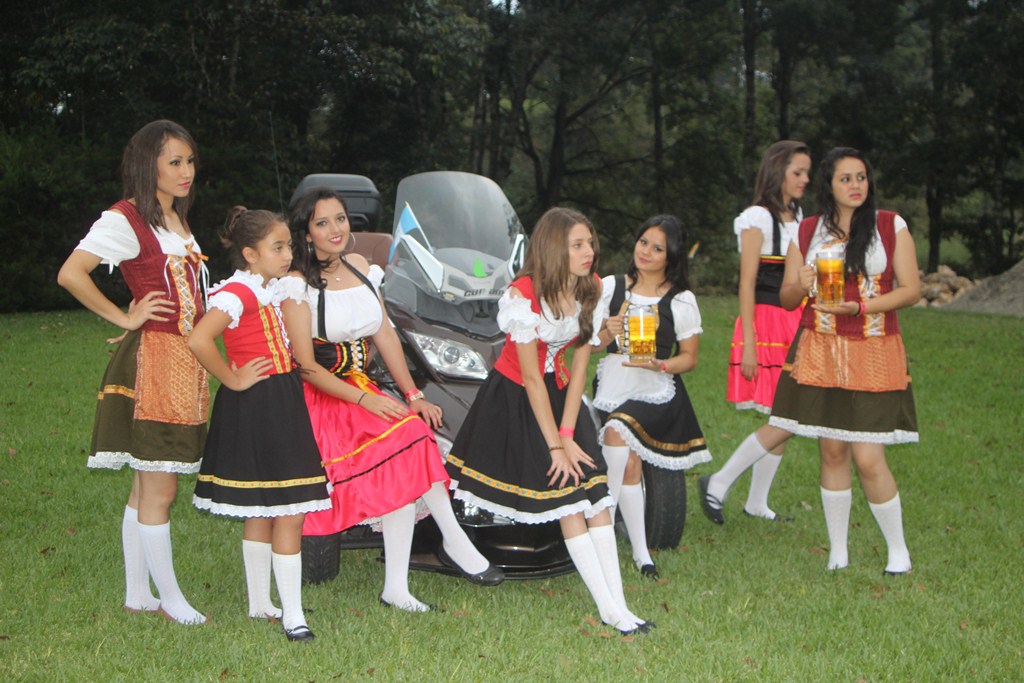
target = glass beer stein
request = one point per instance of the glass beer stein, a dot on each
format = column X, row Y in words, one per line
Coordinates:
column 641, row 325
column 829, row 264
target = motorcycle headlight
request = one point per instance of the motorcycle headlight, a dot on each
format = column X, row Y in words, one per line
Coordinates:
column 450, row 358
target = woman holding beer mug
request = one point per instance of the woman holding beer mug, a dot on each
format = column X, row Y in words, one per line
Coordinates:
column 846, row 380
column 764, row 329
column 652, row 333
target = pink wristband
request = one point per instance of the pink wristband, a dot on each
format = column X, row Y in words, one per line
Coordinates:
column 566, row 431
column 664, row 366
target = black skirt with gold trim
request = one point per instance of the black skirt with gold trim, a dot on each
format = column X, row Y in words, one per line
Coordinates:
column 500, row 458
column 666, row 435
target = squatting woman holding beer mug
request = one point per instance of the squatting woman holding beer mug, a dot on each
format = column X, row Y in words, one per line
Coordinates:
column 646, row 411
column 846, row 380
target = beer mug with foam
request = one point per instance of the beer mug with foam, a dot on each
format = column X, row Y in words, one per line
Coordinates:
column 641, row 325
column 829, row 263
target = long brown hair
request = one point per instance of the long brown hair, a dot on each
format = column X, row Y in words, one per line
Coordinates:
column 772, row 174
column 138, row 170
column 862, row 224
column 303, row 255
column 547, row 264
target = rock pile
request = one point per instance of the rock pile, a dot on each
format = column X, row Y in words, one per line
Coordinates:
column 944, row 286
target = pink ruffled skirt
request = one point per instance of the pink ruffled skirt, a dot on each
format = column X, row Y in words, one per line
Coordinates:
column 375, row 466
column 774, row 329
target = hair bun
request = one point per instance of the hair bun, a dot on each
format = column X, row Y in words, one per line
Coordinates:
column 235, row 214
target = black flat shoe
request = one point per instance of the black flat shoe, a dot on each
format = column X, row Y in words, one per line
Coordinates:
column 642, row 627
column 886, row 572
column 776, row 518
column 300, row 633
column 646, row 626
column 708, row 502
column 649, row 571
column 491, row 576
column 430, row 606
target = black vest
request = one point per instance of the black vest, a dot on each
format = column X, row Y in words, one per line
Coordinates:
column 770, row 270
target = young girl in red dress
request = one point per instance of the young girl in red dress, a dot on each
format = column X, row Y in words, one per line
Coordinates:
column 261, row 460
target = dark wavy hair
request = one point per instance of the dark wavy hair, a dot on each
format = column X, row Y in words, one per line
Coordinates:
column 245, row 228
column 862, row 224
column 677, row 272
column 771, row 175
column 303, row 257
column 138, row 170
column 547, row 263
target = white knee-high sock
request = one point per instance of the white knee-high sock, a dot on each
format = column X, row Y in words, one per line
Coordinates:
column 137, row 596
column 745, row 455
column 288, row 576
column 889, row 516
column 397, row 527
column 836, row 505
column 607, row 551
column 257, row 558
column 584, row 556
column 631, row 504
column 615, row 457
column 156, row 543
column 762, row 474
column 456, row 542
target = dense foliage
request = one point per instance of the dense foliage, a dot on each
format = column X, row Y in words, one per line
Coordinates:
column 622, row 109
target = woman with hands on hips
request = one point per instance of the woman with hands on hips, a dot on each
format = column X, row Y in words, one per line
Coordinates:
column 379, row 454
column 154, row 398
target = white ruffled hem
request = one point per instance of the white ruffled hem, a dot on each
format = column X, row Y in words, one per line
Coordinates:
column 107, row 460
column 589, row 510
column 422, row 512
column 886, row 438
column 657, row 459
column 753, row 405
column 260, row 511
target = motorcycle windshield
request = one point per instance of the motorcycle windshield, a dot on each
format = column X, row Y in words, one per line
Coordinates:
column 457, row 245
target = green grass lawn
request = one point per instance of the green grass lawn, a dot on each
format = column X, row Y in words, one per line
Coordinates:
column 750, row 601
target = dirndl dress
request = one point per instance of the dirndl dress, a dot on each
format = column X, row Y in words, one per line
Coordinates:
column 774, row 326
column 261, row 459
column 375, row 466
column 651, row 411
column 500, row 458
column 153, row 401
column 850, row 388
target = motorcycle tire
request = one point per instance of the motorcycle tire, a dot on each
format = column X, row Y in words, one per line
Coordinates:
column 321, row 558
column 665, row 506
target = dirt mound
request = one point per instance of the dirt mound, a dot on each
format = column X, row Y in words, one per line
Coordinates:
column 1000, row 294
